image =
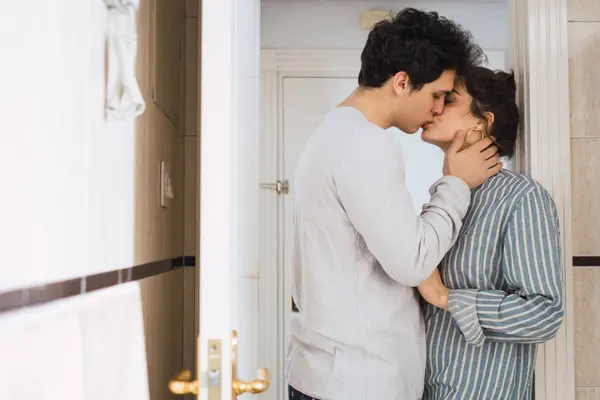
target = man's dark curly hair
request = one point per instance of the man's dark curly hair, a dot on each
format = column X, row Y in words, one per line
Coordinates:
column 420, row 43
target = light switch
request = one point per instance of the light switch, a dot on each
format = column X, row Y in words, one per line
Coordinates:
column 166, row 186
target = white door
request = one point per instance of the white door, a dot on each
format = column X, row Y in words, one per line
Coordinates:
column 229, row 99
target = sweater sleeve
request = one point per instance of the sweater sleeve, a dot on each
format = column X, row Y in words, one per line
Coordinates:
column 370, row 182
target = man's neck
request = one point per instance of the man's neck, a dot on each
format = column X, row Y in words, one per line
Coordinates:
column 371, row 104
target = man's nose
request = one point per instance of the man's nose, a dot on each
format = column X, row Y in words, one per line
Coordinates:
column 437, row 109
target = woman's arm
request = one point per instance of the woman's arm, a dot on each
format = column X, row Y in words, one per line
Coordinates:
column 532, row 312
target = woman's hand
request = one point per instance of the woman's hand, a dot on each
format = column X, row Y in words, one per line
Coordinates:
column 434, row 291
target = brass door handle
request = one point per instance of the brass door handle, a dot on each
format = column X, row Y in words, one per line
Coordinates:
column 182, row 384
column 259, row 385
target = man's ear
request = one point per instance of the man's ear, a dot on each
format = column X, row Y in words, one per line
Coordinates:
column 400, row 83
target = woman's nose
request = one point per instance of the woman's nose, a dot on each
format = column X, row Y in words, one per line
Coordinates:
column 438, row 111
column 438, row 108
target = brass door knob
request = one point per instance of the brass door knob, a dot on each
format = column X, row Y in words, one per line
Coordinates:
column 258, row 385
column 182, row 384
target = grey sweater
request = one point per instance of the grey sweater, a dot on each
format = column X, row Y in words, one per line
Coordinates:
column 359, row 249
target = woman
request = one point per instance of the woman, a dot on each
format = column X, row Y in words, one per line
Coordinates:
column 502, row 292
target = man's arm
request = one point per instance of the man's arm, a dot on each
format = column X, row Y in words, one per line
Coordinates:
column 370, row 184
column 532, row 312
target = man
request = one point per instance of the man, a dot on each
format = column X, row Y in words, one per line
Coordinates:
column 359, row 250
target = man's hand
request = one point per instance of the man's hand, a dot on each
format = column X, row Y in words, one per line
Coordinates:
column 475, row 164
column 434, row 291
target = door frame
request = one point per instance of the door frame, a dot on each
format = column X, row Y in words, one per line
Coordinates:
column 228, row 125
column 539, row 55
column 541, row 63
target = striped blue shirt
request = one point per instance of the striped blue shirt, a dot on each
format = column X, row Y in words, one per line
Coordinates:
column 504, row 275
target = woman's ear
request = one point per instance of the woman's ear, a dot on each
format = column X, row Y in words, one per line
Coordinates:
column 489, row 116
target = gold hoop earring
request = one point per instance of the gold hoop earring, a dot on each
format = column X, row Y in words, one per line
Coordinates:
column 470, row 131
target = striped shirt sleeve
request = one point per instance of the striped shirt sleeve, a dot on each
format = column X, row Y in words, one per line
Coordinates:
column 531, row 311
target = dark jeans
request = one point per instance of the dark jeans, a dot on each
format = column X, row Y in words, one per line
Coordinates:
column 296, row 395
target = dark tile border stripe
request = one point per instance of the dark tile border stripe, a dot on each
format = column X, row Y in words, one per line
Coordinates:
column 185, row 261
column 587, row 261
column 41, row 294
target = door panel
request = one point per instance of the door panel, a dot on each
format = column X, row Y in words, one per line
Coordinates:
column 227, row 146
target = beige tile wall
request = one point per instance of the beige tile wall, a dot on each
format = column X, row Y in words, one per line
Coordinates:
column 164, row 233
column 168, row 63
column 584, row 10
column 584, row 393
column 192, row 76
column 159, row 231
column 586, row 292
column 190, row 280
column 584, row 82
column 585, row 175
column 163, row 326
column 190, row 289
column 191, row 197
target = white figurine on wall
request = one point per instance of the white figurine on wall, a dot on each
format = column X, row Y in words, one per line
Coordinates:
column 124, row 99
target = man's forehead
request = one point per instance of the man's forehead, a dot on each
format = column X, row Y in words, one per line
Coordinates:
column 445, row 83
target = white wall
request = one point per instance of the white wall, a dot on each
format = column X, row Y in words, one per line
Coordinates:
column 67, row 207
column 80, row 193
column 336, row 23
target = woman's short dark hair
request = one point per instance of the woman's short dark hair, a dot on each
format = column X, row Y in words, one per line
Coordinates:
column 495, row 92
column 420, row 43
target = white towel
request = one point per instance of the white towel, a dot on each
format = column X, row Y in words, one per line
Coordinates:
column 124, row 99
